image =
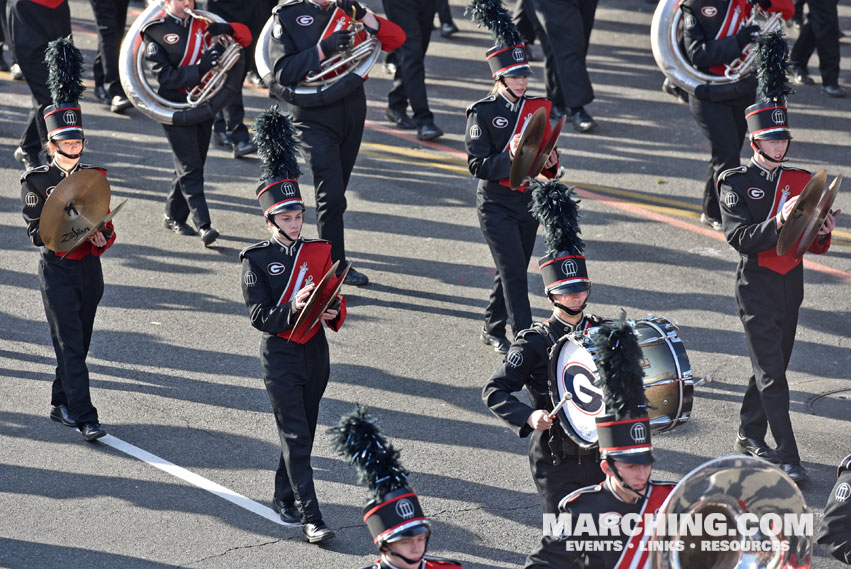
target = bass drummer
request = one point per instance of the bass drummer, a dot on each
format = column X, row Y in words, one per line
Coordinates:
column 559, row 466
column 177, row 50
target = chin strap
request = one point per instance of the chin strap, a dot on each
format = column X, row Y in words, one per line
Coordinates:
column 410, row 561
column 617, row 474
column 507, row 88
column 69, row 156
column 566, row 309
column 756, row 147
column 271, row 219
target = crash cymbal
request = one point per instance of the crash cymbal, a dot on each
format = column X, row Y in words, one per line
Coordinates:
column 333, row 288
column 805, row 209
column 313, row 301
column 811, row 230
column 546, row 149
column 99, row 226
column 528, row 148
column 73, row 208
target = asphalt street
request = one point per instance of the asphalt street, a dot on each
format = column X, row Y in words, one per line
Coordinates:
column 175, row 364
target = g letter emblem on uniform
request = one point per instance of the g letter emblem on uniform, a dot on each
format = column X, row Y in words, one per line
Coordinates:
column 500, row 122
column 638, row 432
column 69, row 117
column 518, row 54
column 756, row 193
column 405, row 509
column 709, row 11
column 731, row 199
column 31, row 199
column 304, row 20
column 475, row 132
column 843, row 492
column 250, row 279
column 514, row 358
column 171, row 39
column 778, row 117
column 275, row 269
column 568, row 267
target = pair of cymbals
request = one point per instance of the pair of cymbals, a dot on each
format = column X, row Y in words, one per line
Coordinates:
column 806, row 219
column 76, row 209
column 532, row 149
column 321, row 298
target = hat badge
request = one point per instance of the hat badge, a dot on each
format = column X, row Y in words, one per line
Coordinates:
column 288, row 189
column 69, row 117
column 638, row 432
column 568, row 267
column 777, row 116
column 518, row 54
column 405, row 509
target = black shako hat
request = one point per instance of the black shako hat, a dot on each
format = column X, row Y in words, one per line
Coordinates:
column 394, row 512
column 768, row 119
column 508, row 57
column 278, row 191
column 63, row 119
column 623, row 431
column 563, row 267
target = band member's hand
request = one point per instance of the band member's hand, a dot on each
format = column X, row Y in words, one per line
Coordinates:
column 786, row 211
column 746, row 35
column 764, row 4
column 540, row 420
column 337, row 41
column 208, row 59
column 512, row 147
column 219, row 28
column 329, row 314
column 98, row 240
column 301, row 297
column 829, row 223
column 348, row 5
column 552, row 160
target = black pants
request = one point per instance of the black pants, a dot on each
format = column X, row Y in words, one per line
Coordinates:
column 331, row 137
column 724, row 126
column 111, row 18
column 443, row 12
column 31, row 27
column 71, row 291
column 189, row 145
column 296, row 376
column 768, row 306
column 230, row 119
column 555, row 481
column 567, row 25
column 416, row 18
column 530, row 28
column 820, row 32
column 510, row 230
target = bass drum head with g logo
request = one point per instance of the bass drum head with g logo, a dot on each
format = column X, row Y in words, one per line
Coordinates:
column 572, row 369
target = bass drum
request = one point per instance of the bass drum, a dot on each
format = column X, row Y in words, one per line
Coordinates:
column 668, row 382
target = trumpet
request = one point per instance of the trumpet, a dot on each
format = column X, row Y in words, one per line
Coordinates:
column 215, row 78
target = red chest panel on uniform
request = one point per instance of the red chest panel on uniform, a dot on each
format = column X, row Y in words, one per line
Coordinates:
column 790, row 184
column 737, row 12
column 526, row 111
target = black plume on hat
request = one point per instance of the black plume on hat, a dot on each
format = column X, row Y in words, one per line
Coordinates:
column 771, row 70
column 65, row 69
column 275, row 137
column 357, row 438
column 554, row 206
column 492, row 15
column 619, row 365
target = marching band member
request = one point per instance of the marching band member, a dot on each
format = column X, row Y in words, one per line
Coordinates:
column 278, row 276
column 178, row 53
column 71, row 284
column 835, row 531
column 756, row 200
column 714, row 34
column 394, row 517
column 494, row 126
column 307, row 32
column 627, row 458
column 559, row 466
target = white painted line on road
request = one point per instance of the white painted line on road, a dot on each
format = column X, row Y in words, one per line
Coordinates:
column 192, row 478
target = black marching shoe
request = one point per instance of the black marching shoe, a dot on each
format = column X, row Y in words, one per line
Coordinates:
column 16, row 72
column 557, row 112
column 179, row 227
column 713, row 223
column 208, row 235
column 400, row 119
column 244, row 148
column 101, row 95
column 795, row 471
column 29, row 161
column 356, row 278
column 317, row 532
column 60, row 414
column 119, row 104
column 582, row 121
column 288, row 512
column 448, row 29
column 834, row 91
column 753, row 447
column 500, row 343
column 222, row 139
column 92, row 431
column 801, row 77
column 428, row 131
